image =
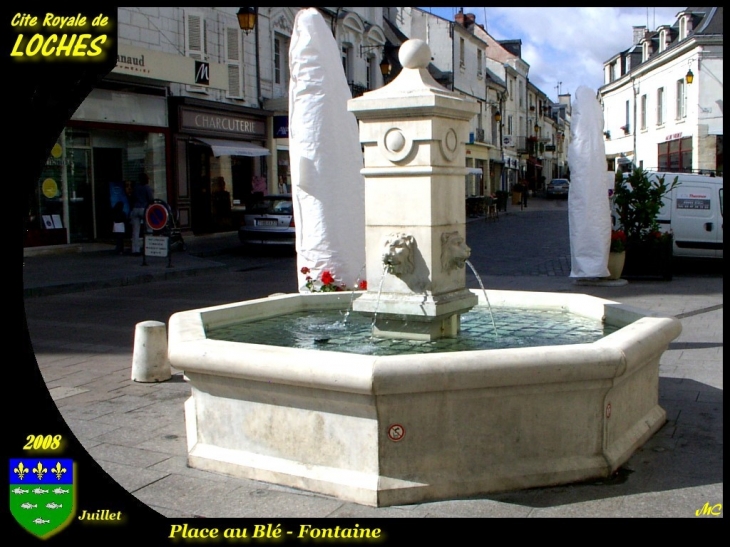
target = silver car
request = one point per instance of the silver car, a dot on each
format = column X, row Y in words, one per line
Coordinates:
column 557, row 188
column 268, row 220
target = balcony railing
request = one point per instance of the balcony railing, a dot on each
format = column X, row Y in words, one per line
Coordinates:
column 357, row 89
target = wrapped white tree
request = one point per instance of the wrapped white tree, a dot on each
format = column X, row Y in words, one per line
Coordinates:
column 326, row 158
column 589, row 212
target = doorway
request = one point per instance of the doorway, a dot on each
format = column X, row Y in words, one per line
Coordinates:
column 201, row 219
column 107, row 172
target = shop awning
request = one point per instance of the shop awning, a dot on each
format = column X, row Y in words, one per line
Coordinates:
column 235, row 148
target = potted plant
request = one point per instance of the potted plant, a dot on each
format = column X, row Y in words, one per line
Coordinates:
column 637, row 201
column 617, row 254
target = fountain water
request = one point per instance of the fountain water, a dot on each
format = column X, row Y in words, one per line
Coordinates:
column 392, row 429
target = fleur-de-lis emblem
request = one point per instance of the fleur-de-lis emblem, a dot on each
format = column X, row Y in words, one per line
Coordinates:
column 21, row 471
column 58, row 470
column 39, row 470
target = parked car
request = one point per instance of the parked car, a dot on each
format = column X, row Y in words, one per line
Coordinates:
column 268, row 220
column 557, row 188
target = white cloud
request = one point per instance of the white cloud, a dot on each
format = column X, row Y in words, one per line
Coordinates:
column 567, row 45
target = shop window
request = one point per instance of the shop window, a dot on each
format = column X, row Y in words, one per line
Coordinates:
column 675, row 156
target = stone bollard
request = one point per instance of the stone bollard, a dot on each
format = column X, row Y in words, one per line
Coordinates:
column 149, row 362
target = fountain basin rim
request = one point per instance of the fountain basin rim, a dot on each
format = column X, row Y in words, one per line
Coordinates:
column 189, row 350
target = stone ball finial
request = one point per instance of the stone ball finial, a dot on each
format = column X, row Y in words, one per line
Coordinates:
column 414, row 53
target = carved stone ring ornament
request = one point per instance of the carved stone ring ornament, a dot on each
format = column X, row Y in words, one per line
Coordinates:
column 396, row 145
column 449, row 144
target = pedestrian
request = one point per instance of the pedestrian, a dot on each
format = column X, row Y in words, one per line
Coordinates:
column 142, row 196
column 119, row 224
column 525, row 192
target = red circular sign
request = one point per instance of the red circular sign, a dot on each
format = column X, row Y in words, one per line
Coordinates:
column 156, row 216
column 396, row 432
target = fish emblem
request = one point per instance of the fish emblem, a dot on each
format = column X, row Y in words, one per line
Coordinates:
column 53, row 505
column 27, row 505
column 40, row 491
column 19, row 491
column 60, row 491
column 40, row 521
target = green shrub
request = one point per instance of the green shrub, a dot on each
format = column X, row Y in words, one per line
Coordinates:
column 638, row 200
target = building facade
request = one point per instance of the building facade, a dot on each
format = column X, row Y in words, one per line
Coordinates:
column 200, row 106
column 662, row 97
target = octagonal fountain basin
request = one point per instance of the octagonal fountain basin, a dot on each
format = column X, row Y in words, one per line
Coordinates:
column 390, row 429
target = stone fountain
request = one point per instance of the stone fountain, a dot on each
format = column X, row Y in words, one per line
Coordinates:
column 398, row 429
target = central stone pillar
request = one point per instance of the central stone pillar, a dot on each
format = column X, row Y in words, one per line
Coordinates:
column 413, row 133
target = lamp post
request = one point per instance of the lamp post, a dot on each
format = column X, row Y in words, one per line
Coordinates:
column 498, row 119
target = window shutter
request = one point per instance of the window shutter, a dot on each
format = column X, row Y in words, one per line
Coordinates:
column 195, row 44
column 234, row 65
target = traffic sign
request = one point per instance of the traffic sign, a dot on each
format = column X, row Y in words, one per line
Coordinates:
column 156, row 216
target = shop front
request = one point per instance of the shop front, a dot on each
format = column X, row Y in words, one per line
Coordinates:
column 98, row 156
column 220, row 162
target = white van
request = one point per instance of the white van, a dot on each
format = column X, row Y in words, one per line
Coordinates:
column 693, row 210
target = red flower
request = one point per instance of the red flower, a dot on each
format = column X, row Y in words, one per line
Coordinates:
column 327, row 277
column 363, row 285
column 618, row 241
column 304, row 270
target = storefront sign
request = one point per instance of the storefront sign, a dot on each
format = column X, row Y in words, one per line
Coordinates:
column 281, row 127
column 197, row 120
column 156, row 65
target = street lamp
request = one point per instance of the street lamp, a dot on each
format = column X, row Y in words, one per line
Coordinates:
column 247, row 19
column 385, row 66
column 497, row 116
column 689, row 77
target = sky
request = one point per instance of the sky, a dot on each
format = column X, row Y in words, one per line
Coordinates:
column 566, row 47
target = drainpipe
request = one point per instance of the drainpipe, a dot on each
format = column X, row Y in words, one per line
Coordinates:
column 258, row 63
column 636, row 92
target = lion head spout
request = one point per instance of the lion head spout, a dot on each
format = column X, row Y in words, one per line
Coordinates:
column 398, row 254
column 454, row 251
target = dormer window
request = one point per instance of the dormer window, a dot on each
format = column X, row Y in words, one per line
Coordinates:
column 685, row 25
column 664, row 38
column 645, row 50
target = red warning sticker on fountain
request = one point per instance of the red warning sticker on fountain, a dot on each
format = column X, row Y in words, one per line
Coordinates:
column 396, row 432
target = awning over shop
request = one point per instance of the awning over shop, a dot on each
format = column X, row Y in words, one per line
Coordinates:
column 474, row 171
column 235, row 148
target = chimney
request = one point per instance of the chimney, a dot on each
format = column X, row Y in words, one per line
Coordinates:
column 469, row 20
column 459, row 18
column 639, row 32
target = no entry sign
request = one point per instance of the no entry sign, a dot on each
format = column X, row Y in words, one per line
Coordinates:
column 156, row 216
